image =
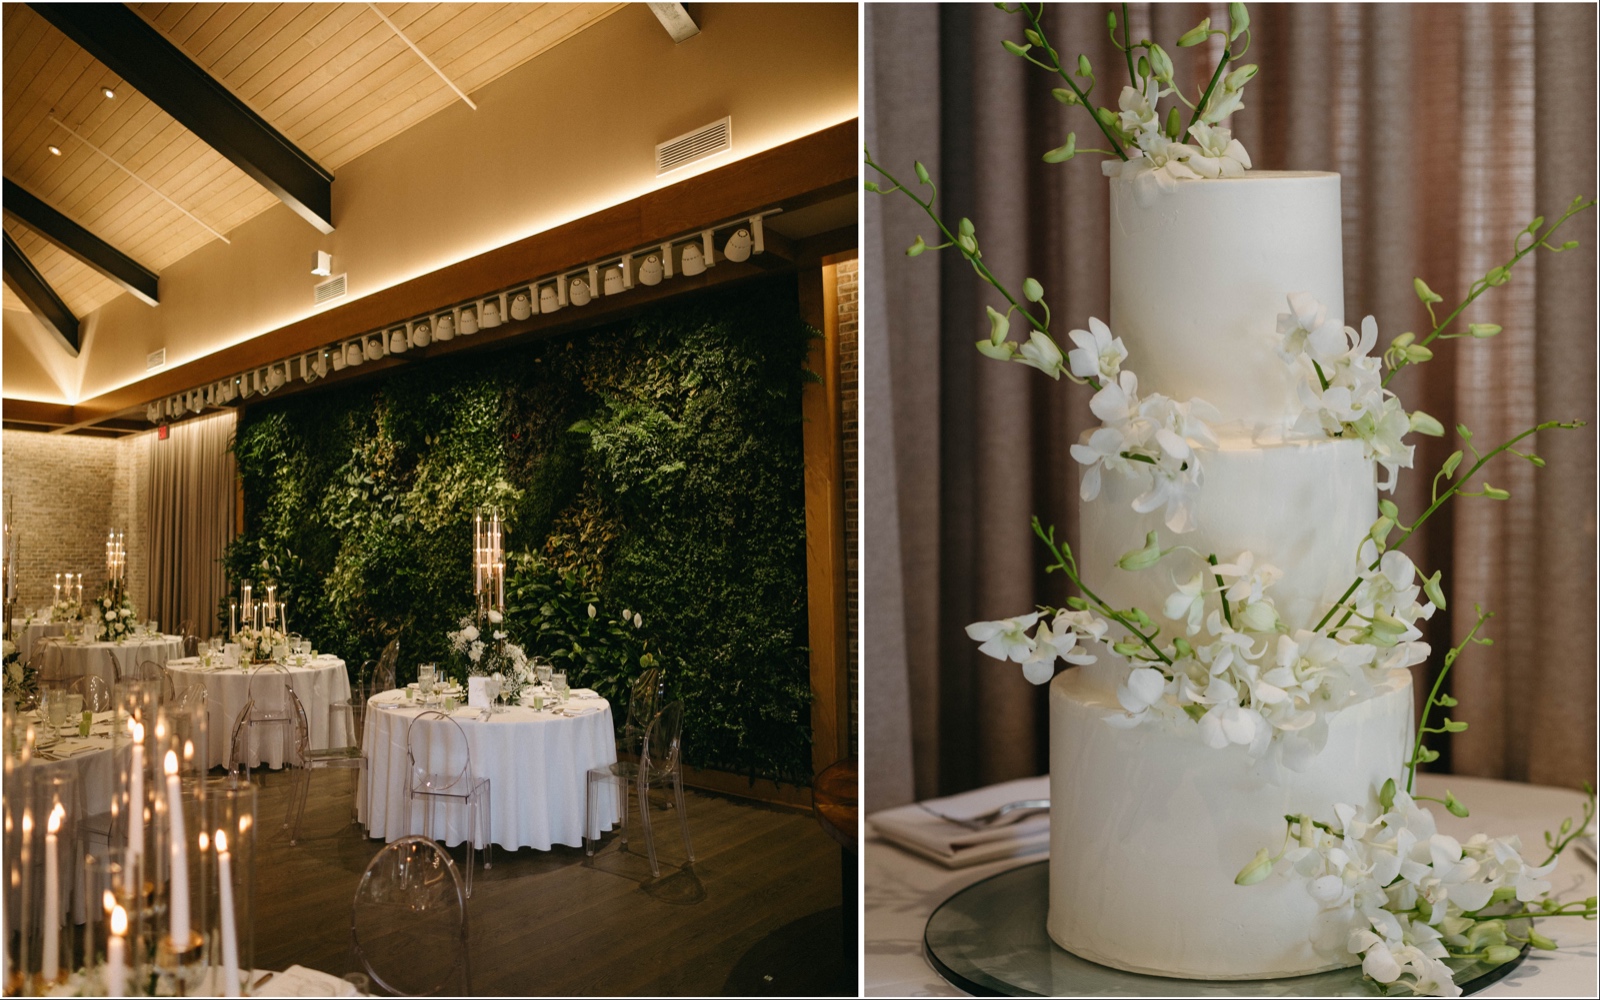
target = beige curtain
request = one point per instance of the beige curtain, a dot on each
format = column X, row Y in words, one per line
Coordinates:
column 1452, row 125
column 192, row 490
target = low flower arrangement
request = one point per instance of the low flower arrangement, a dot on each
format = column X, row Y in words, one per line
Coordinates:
column 116, row 615
column 255, row 645
column 21, row 679
column 64, row 610
column 485, row 651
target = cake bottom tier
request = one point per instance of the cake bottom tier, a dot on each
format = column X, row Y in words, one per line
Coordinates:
column 1149, row 827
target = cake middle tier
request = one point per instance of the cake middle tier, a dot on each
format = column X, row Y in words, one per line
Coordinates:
column 1301, row 506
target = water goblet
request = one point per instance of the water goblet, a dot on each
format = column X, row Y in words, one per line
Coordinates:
column 559, row 679
column 541, row 670
column 56, row 711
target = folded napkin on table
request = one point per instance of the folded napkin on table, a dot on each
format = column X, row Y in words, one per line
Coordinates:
column 299, row 981
column 917, row 830
column 583, row 693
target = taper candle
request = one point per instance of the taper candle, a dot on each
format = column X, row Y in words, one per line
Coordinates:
column 230, row 937
column 178, row 906
column 50, row 961
column 116, row 954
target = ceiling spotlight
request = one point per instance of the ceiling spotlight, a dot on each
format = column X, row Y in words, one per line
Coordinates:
column 54, row 150
column 694, row 262
column 547, row 299
column 324, row 265
column 650, row 271
column 578, row 292
column 522, row 303
column 613, row 280
column 738, row 246
column 108, row 92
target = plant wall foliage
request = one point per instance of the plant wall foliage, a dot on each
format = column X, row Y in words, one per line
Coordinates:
column 652, row 466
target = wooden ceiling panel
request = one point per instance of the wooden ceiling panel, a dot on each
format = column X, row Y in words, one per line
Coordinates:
column 82, row 288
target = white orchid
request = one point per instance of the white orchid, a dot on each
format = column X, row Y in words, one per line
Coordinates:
column 1006, row 639
column 1219, row 153
column 1042, row 353
column 1101, row 449
column 1188, row 603
column 1247, row 581
column 1098, row 354
column 1144, row 688
column 1056, row 639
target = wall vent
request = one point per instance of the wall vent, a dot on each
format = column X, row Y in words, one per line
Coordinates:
column 707, row 140
column 331, row 289
column 155, row 359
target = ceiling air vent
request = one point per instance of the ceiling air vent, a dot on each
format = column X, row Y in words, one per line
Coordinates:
column 707, row 140
column 331, row 289
column 155, row 359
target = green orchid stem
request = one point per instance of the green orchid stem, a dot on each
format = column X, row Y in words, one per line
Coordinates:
column 1577, row 831
column 1216, row 74
column 1482, row 285
column 1068, row 566
column 1222, row 595
column 977, row 264
column 1127, row 50
column 1438, row 501
column 1433, row 699
column 1055, row 67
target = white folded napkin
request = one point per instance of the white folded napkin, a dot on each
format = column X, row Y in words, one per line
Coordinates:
column 299, row 981
column 583, row 693
column 919, row 831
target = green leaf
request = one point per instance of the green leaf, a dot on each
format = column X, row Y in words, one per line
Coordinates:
column 1065, row 151
column 1032, row 290
column 1195, row 35
column 1426, row 294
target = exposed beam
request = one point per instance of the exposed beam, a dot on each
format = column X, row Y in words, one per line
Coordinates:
column 24, row 279
column 158, row 69
column 676, row 20
column 78, row 241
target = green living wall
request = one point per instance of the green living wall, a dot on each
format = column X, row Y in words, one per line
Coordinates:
column 652, row 466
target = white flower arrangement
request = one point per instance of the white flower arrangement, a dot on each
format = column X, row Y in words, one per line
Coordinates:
column 116, row 616
column 65, row 610
column 493, row 655
column 257, row 644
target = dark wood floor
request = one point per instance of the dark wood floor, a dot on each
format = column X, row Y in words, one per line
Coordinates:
column 756, row 915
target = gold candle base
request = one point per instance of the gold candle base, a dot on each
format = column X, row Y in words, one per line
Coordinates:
column 186, row 967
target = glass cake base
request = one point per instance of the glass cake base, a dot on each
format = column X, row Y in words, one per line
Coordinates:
column 989, row 939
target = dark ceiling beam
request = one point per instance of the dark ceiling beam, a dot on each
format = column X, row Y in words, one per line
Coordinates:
column 21, row 277
column 158, row 69
column 78, row 241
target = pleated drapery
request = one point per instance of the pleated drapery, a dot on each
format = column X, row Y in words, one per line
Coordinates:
column 1452, row 127
column 192, row 495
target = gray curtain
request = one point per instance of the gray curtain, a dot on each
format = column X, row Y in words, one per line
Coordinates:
column 1452, row 126
column 192, row 497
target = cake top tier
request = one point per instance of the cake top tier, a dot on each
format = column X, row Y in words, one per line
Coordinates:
column 1200, row 273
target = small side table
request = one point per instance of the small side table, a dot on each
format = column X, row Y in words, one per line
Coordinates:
column 835, row 798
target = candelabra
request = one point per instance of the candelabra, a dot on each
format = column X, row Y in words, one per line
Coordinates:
column 488, row 563
column 8, row 573
column 116, row 565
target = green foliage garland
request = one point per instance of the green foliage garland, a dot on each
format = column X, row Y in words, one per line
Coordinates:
column 652, row 466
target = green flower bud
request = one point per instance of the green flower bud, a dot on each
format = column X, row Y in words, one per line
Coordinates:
column 916, row 249
column 1126, row 648
column 1451, row 464
column 999, row 326
column 1160, row 63
column 1432, row 587
column 1195, row 35
column 1182, row 647
column 1032, row 37
column 1533, row 227
column 1483, row 331
column 1488, row 933
column 1464, row 431
column 1446, row 701
column 1140, row 618
column 872, row 186
column 1111, row 20
column 1416, row 354
column 1032, row 290
column 1238, row 20
column 1259, row 868
column 1540, row 941
column 1454, row 805
column 1065, row 151
column 1452, row 726
column 1570, row 245
column 1239, row 77
column 1404, row 340
column 1386, row 795
column 1500, row 954
column 1389, row 510
column 964, row 227
column 1426, row 756
column 1107, row 117
column 999, row 352
column 1083, row 65
column 1426, row 294
column 1495, row 493
column 1259, row 616
column 1065, row 96
column 967, row 243
column 1566, row 825
column 1498, row 276
column 1143, row 66
column 1077, row 603
column 1142, row 558
column 1504, row 894
column 1015, row 49
column 1174, row 124
column 1379, row 532
column 1308, row 833
column 1424, row 424
column 922, row 173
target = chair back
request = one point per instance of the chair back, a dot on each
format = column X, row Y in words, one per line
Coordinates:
column 408, row 921
column 191, row 644
column 268, row 693
column 644, row 698
column 116, row 665
column 96, row 692
column 383, row 675
column 663, row 741
column 302, row 725
column 150, row 670
column 445, row 741
column 50, row 661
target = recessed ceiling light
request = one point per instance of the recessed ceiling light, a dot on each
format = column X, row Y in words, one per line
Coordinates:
column 56, row 150
column 109, row 93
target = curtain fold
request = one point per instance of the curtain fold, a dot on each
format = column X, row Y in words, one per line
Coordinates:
column 1452, row 126
column 192, row 501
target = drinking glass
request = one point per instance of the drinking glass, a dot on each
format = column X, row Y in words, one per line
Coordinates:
column 153, row 627
column 74, row 709
column 559, row 679
column 56, row 710
column 541, row 670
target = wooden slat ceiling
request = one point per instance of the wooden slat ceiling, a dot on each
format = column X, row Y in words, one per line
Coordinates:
column 331, row 77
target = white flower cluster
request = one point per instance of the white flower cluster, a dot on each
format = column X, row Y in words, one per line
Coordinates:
column 1054, row 639
column 258, row 643
column 1397, row 892
column 505, row 662
column 116, row 618
column 1152, row 439
column 1158, row 162
column 65, row 611
column 1340, row 384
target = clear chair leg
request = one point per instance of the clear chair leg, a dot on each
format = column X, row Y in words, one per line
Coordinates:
column 622, row 807
column 488, row 830
column 683, row 815
column 591, row 829
column 644, row 819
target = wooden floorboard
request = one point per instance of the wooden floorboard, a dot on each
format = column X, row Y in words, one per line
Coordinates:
column 757, row 914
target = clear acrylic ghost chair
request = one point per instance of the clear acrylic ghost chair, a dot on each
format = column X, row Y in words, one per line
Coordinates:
column 660, row 760
column 644, row 700
column 150, row 670
column 342, row 752
column 95, row 691
column 437, row 778
column 191, row 721
column 267, row 709
column 408, row 922
column 374, row 677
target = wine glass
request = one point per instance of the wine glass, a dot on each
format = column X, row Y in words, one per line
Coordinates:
column 559, row 679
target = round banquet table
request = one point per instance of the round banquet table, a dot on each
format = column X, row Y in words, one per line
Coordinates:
column 322, row 682
column 25, row 634
column 537, row 763
column 78, row 658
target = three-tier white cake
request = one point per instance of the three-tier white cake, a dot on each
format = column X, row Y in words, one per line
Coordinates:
column 1149, row 828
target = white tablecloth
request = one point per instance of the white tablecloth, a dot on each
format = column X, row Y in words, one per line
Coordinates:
column 25, row 634
column 902, row 891
column 318, row 684
column 537, row 764
column 95, row 657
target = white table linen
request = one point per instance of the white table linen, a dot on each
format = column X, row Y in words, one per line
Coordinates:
column 322, row 682
column 902, row 891
column 95, row 657
column 25, row 634
column 537, row 763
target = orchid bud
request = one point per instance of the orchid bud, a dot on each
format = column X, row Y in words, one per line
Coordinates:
column 1464, row 432
column 1077, row 604
column 1416, row 354
column 1504, row 894
column 1386, row 795
column 1498, row 276
column 1495, row 493
column 1111, row 20
column 1533, row 227
column 1015, row 49
column 1388, row 509
column 1238, row 20
column 922, row 173
column 1065, row 96
column 1259, row 616
column 1259, row 868
column 1107, row 117
column 1379, row 532
column 1144, row 68
column 1451, row 464
column 1435, row 591
column 1424, row 424
column 872, row 186
column 1160, row 63
column 1404, row 340
column 916, row 249
column 1195, row 35
column 965, row 228
column 1446, row 700
column 1126, row 648
column 999, row 326
column 1083, row 65
column 1239, row 77
column 999, row 352
column 1483, row 331
column 1032, row 290
column 1540, row 941
column 1426, row 294
column 1181, row 646
column 1033, row 37
column 1174, row 124
column 1142, row 558
column 1500, row 954
column 1488, row 932
column 1535, row 459
column 1140, row 618
column 1454, row 805
column 1570, row 245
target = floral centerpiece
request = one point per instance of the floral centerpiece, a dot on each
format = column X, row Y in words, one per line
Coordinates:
column 65, row 610
column 21, row 679
column 481, row 643
column 116, row 615
column 256, row 644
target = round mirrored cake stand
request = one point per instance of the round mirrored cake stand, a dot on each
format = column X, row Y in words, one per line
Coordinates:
column 989, row 940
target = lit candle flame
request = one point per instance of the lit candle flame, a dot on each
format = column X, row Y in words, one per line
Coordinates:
column 119, row 921
column 136, row 730
column 108, row 901
column 56, row 816
column 222, row 842
column 204, row 841
column 170, row 765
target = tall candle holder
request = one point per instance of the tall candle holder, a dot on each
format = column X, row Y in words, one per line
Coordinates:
column 41, row 865
column 229, row 883
column 488, row 563
column 116, row 565
column 8, row 572
column 180, row 820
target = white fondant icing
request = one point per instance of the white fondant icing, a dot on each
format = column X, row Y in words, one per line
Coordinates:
column 1303, row 507
column 1199, row 276
column 1148, row 830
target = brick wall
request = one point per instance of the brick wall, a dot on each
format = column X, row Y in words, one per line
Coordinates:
column 63, row 494
column 849, row 384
